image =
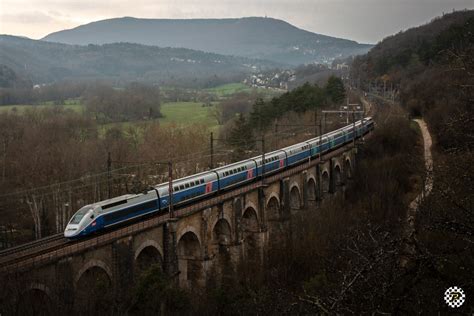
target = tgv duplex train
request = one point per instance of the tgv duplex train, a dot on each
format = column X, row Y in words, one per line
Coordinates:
column 98, row 216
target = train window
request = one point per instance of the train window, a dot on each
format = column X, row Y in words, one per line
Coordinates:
column 196, row 182
column 181, row 187
column 186, row 185
column 176, row 188
column 202, row 181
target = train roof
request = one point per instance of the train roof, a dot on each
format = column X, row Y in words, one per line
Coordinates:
column 115, row 199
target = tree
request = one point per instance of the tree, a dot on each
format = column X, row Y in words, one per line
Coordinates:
column 335, row 90
column 241, row 136
column 155, row 294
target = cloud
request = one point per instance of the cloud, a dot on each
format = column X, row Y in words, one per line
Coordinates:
column 361, row 20
column 33, row 17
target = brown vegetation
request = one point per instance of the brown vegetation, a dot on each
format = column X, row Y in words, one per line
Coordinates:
column 53, row 161
column 342, row 257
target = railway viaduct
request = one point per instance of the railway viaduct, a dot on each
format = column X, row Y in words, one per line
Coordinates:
column 204, row 240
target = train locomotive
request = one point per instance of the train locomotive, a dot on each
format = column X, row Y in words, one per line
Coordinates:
column 98, row 216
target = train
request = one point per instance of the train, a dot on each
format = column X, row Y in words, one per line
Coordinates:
column 96, row 217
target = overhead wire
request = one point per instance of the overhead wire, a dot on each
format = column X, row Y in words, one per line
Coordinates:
column 179, row 159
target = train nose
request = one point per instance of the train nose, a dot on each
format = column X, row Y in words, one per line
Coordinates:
column 71, row 231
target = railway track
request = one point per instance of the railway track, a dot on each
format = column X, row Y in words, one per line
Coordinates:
column 46, row 244
column 58, row 245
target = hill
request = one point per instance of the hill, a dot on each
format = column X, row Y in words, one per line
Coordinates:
column 43, row 62
column 253, row 37
column 432, row 68
column 406, row 54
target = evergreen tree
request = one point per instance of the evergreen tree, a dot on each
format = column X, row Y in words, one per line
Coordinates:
column 335, row 91
column 241, row 136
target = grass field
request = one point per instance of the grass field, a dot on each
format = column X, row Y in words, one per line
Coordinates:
column 178, row 113
column 185, row 113
column 20, row 108
column 228, row 89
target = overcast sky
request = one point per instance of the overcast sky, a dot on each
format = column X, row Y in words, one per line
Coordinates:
column 366, row 21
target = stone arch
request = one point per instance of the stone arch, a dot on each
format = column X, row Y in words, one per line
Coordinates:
column 90, row 264
column 250, row 220
column 325, row 182
column 221, row 233
column 337, row 176
column 189, row 259
column 273, row 208
column 35, row 300
column 93, row 289
column 295, row 198
column 147, row 243
column 312, row 190
column 222, row 237
column 225, row 217
column 189, row 229
column 251, row 205
column 347, row 168
column 251, row 252
column 275, row 196
column 147, row 254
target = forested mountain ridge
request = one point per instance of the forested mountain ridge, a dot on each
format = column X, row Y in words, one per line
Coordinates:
column 424, row 44
column 432, row 67
column 43, row 62
column 253, row 37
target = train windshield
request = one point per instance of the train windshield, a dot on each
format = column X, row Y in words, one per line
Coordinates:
column 79, row 215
